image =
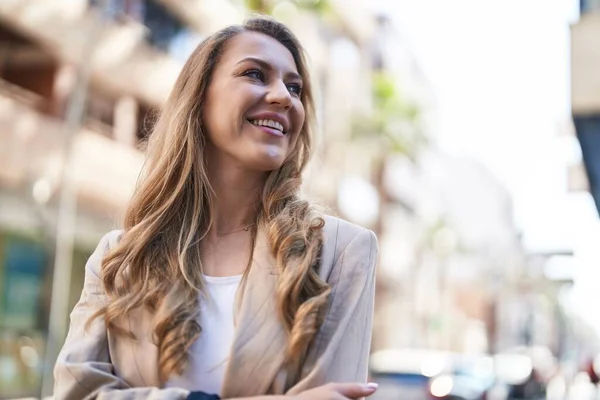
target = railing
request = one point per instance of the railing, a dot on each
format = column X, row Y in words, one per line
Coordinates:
column 22, row 96
column 32, row 145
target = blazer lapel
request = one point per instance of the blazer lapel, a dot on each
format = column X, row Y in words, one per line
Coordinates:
column 260, row 340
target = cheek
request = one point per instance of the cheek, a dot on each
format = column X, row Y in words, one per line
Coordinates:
column 209, row 118
column 292, row 145
column 217, row 119
column 301, row 113
column 298, row 118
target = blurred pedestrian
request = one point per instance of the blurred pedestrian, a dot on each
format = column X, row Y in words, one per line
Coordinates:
column 224, row 282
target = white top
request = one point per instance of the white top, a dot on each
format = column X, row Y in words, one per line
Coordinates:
column 210, row 353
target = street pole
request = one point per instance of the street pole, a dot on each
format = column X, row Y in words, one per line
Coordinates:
column 67, row 211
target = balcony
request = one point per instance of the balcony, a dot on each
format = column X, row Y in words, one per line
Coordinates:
column 104, row 171
column 122, row 61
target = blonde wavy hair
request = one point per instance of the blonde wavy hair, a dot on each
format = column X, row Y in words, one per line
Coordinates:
column 156, row 263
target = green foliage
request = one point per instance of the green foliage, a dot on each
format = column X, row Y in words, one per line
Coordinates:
column 259, row 6
column 321, row 7
column 384, row 91
column 318, row 6
column 395, row 122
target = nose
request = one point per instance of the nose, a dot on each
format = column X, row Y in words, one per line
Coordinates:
column 278, row 93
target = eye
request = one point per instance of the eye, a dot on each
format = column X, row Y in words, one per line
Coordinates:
column 255, row 74
column 295, row 88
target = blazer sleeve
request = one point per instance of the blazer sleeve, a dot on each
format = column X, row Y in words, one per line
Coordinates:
column 340, row 351
column 83, row 369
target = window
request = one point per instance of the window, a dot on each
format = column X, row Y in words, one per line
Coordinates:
column 165, row 31
column 24, row 267
column 164, row 27
column 100, row 111
column 120, row 9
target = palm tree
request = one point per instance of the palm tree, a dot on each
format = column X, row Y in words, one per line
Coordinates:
column 393, row 127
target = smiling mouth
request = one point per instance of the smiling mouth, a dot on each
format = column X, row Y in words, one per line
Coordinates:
column 268, row 123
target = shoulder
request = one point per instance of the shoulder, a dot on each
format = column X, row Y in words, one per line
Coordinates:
column 339, row 234
column 345, row 240
column 107, row 242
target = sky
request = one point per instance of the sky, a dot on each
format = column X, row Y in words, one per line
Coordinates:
column 499, row 71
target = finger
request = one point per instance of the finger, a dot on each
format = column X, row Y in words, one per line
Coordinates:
column 355, row 390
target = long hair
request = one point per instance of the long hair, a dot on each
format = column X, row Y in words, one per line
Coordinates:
column 156, row 264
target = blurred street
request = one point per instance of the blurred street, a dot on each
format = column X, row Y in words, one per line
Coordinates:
column 465, row 134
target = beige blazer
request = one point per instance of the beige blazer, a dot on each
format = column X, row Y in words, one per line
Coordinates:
column 95, row 364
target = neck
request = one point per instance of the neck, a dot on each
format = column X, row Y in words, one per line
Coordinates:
column 236, row 197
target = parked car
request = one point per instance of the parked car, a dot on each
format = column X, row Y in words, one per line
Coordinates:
column 470, row 377
column 525, row 371
column 406, row 374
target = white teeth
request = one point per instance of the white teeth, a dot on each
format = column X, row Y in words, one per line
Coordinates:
column 268, row 122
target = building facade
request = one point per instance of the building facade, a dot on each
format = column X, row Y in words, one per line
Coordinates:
column 585, row 90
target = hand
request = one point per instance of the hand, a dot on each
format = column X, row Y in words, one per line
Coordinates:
column 338, row 391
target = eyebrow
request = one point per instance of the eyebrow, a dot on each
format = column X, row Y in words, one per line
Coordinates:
column 266, row 65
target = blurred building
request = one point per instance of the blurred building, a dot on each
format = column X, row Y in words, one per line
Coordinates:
column 585, row 90
column 453, row 262
column 134, row 54
column 453, row 272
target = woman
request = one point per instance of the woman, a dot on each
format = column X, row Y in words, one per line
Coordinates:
column 224, row 282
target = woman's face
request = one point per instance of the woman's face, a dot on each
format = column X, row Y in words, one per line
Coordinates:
column 253, row 113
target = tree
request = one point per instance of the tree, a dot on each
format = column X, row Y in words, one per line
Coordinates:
column 394, row 126
column 320, row 7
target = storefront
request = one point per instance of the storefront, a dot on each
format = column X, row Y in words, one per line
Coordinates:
column 26, row 258
column 104, row 174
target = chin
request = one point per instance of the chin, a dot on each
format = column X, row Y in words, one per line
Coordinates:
column 265, row 159
column 269, row 161
column 268, row 167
